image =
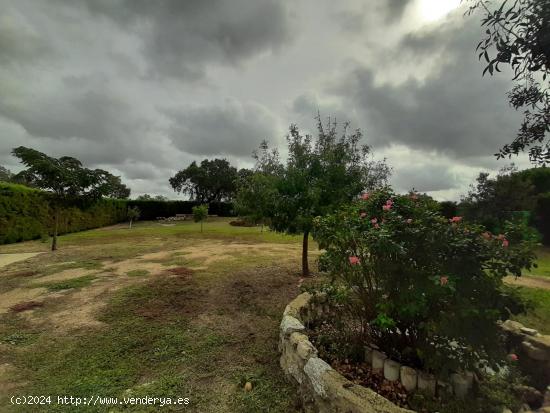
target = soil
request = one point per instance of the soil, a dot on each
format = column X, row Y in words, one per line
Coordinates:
column 530, row 281
column 6, row 259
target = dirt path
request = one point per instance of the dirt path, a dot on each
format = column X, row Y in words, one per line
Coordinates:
column 6, row 259
column 529, row 281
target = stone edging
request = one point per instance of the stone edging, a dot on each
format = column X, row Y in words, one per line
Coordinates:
column 321, row 387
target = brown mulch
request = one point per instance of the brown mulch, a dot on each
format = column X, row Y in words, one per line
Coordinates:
column 362, row 374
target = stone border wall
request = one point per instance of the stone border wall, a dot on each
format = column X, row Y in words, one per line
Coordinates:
column 321, row 387
column 533, row 350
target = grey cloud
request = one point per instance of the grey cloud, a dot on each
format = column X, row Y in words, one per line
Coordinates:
column 454, row 111
column 180, row 38
column 425, row 177
column 233, row 128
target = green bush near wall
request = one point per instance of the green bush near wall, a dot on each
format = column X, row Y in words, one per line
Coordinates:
column 26, row 214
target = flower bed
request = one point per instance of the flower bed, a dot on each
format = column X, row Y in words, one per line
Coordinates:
column 321, row 387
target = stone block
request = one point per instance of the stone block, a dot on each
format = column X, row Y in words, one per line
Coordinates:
column 378, row 359
column 426, row 384
column 409, row 378
column 391, row 370
column 314, row 369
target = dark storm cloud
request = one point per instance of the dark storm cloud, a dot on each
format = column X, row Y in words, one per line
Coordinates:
column 233, row 128
column 453, row 110
column 425, row 177
column 180, row 38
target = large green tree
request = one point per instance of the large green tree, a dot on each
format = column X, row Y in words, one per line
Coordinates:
column 212, row 180
column 517, row 35
column 319, row 175
column 65, row 179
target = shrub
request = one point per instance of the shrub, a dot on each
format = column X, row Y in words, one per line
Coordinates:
column 200, row 213
column 427, row 289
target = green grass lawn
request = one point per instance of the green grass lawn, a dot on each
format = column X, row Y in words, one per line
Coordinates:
column 113, row 329
column 538, row 316
column 543, row 263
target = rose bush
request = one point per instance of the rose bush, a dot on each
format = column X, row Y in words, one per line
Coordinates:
column 426, row 289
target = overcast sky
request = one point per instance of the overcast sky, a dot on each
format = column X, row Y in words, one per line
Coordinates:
column 142, row 88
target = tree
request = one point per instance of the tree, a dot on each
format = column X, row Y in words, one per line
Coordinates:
column 5, row 174
column 116, row 189
column 200, row 213
column 256, row 196
column 317, row 178
column 133, row 215
column 65, row 179
column 213, row 180
column 492, row 201
column 518, row 36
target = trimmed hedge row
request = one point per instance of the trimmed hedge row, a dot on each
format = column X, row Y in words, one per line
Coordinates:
column 26, row 213
column 152, row 209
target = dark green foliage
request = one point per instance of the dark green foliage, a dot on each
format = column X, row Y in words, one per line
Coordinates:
column 212, row 180
column 542, row 217
column 448, row 209
column 429, row 289
column 517, row 35
column 151, row 210
column 27, row 214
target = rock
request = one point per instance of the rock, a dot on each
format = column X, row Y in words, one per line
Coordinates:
column 542, row 344
column 529, row 331
column 306, row 350
column 391, row 370
column 546, row 402
column 512, row 327
column 524, row 409
column 529, row 395
column 409, row 378
column 460, row 385
column 314, row 369
column 290, row 325
column 426, row 383
column 248, row 386
column 533, row 352
column 378, row 359
column 506, row 410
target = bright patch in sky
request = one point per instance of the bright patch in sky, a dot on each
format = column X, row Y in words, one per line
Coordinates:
column 431, row 10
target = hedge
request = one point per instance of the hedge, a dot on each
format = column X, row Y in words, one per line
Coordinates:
column 26, row 214
column 542, row 217
column 152, row 209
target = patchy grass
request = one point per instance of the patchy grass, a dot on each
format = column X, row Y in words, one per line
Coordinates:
column 543, row 263
column 78, row 282
column 185, row 332
column 138, row 273
column 538, row 315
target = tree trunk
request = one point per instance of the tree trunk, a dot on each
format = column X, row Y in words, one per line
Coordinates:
column 56, row 225
column 130, row 226
column 201, row 226
column 305, row 265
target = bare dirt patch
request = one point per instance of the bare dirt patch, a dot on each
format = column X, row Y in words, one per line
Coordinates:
column 529, row 281
column 25, row 306
column 6, row 259
column 65, row 275
column 19, row 295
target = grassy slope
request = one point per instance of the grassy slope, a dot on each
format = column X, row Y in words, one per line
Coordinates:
column 538, row 317
column 200, row 336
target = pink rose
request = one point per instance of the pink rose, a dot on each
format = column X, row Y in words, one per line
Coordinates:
column 363, row 214
column 365, row 196
column 455, row 219
column 353, row 260
column 486, row 235
column 373, row 221
column 443, row 280
column 505, row 243
column 409, row 221
column 513, row 357
column 376, row 226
